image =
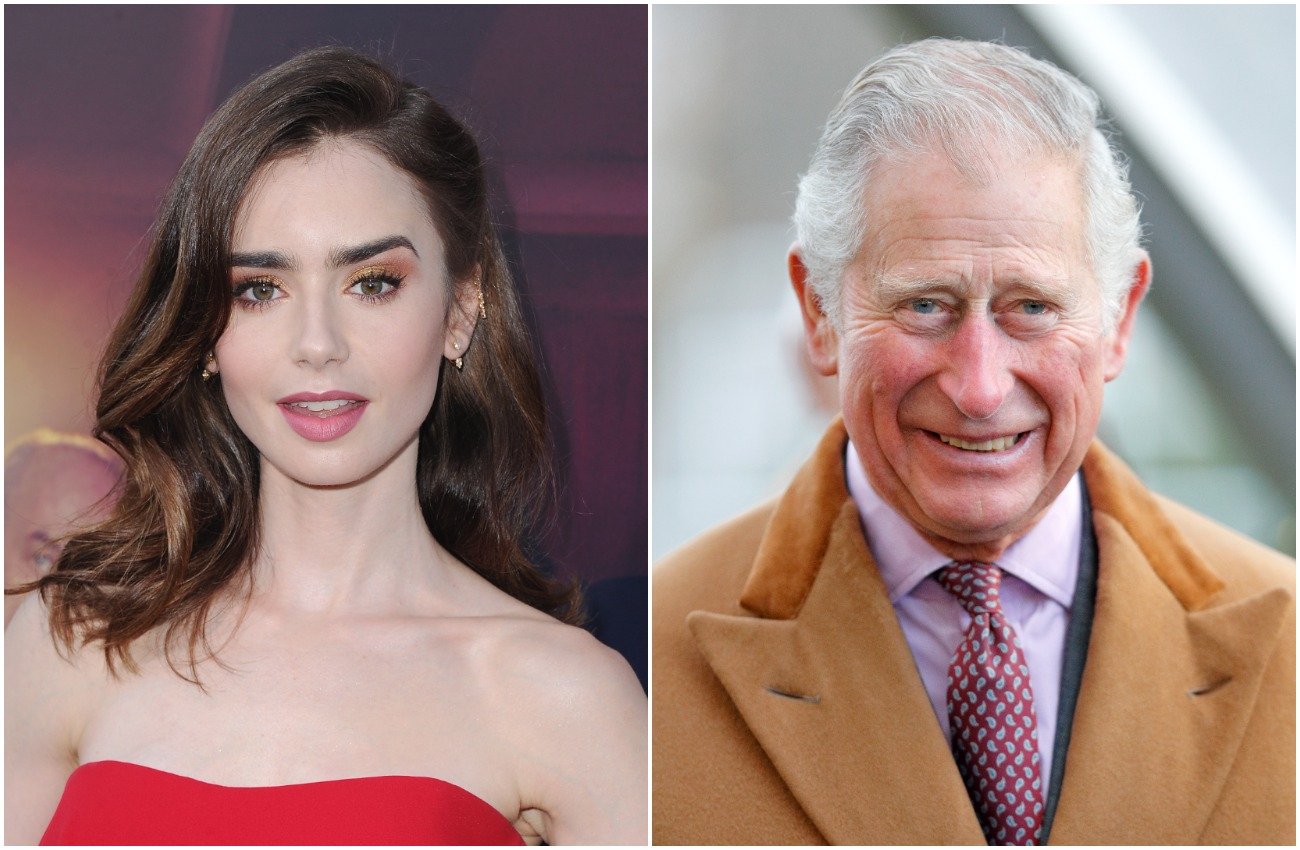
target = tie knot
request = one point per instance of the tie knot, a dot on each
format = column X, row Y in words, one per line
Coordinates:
column 975, row 585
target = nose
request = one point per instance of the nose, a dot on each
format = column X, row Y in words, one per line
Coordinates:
column 977, row 376
column 319, row 338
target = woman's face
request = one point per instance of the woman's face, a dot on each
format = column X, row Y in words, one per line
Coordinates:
column 340, row 317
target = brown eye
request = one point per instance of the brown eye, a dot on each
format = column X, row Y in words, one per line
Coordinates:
column 374, row 286
column 258, row 292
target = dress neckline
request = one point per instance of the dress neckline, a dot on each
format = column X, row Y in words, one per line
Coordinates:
column 148, row 804
column 288, row 785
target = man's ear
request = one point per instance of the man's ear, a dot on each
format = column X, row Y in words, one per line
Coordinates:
column 463, row 315
column 1117, row 345
column 819, row 333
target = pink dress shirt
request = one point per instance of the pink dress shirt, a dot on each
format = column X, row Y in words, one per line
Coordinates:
column 1039, row 573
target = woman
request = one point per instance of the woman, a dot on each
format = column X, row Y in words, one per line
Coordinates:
column 309, row 618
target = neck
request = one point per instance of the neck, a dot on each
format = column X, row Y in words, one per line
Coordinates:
column 361, row 547
column 986, row 552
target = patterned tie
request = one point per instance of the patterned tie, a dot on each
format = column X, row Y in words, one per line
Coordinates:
column 991, row 711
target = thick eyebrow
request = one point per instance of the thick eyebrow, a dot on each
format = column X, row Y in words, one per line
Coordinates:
column 339, row 257
column 263, row 260
column 349, row 256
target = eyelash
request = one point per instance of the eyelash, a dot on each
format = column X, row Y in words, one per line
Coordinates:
column 377, row 276
column 252, row 303
column 382, row 276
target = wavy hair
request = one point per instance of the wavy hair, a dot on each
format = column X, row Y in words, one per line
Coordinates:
column 970, row 99
column 185, row 526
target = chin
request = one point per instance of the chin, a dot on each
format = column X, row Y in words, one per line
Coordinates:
column 974, row 520
column 336, row 464
column 326, row 477
column 336, row 471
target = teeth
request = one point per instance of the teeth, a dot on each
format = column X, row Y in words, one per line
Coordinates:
column 994, row 445
column 322, row 406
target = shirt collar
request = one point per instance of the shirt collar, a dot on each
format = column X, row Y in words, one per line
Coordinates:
column 1046, row 558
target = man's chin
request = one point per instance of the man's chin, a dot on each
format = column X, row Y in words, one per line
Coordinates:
column 975, row 529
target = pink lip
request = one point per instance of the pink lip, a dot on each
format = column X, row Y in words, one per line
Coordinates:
column 326, row 425
column 328, row 395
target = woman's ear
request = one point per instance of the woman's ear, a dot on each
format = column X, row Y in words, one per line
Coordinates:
column 467, row 307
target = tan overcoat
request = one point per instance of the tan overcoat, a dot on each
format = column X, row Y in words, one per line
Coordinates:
column 788, row 710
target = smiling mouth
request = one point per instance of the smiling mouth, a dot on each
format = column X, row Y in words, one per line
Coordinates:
column 323, row 409
column 997, row 444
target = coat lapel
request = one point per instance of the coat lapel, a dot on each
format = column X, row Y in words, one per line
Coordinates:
column 1169, row 682
column 825, row 681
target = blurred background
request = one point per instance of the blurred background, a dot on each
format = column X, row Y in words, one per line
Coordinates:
column 1203, row 98
column 102, row 103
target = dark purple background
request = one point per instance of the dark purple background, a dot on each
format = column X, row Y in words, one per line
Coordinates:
column 102, row 103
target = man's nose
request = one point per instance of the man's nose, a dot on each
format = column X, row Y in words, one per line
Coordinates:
column 977, row 376
column 319, row 336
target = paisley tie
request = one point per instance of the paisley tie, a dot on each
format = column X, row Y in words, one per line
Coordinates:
column 991, row 711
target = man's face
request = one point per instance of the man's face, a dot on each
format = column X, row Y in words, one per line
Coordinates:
column 971, row 356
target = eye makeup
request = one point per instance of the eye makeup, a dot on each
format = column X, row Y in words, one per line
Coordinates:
column 376, row 284
column 373, row 284
column 257, row 293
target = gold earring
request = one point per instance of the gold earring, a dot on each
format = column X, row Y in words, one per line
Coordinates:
column 460, row 363
column 482, row 307
column 205, row 374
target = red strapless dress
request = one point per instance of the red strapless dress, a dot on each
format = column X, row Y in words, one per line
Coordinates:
column 113, row 802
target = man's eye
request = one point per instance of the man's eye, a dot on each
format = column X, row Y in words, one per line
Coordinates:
column 1033, row 308
column 925, row 305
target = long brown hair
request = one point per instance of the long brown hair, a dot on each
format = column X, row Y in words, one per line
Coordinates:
column 185, row 525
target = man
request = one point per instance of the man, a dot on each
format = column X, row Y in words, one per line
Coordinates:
column 53, row 482
column 1105, row 666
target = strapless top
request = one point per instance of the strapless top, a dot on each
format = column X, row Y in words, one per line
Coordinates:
column 114, row 802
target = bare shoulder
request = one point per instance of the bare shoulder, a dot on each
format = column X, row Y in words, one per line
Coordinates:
column 49, row 695
column 573, row 714
column 37, row 668
column 566, row 713
column 554, row 663
column 516, row 650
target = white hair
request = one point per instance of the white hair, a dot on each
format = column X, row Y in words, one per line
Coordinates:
column 972, row 100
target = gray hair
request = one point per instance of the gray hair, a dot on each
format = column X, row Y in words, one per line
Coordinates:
column 971, row 99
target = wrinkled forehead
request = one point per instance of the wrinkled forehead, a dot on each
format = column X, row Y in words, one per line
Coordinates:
column 1016, row 203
